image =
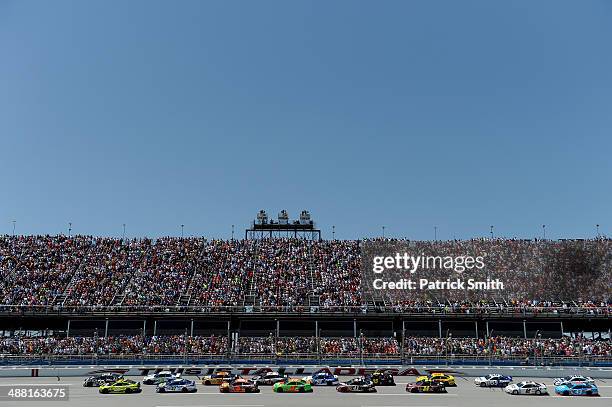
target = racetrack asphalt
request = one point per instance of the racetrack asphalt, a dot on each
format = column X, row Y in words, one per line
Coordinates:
column 466, row 394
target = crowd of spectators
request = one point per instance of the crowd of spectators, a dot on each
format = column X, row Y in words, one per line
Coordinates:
column 500, row 346
column 114, row 345
column 495, row 347
column 35, row 269
column 85, row 271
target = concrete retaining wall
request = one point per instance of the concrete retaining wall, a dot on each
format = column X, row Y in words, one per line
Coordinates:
column 250, row 370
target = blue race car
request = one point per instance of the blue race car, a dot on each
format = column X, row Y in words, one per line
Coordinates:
column 322, row 379
column 577, row 389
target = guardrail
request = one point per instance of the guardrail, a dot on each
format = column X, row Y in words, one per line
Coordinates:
column 303, row 358
column 475, row 311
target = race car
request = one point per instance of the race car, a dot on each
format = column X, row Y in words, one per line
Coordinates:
column 493, row 380
column 381, row 379
column 445, row 379
column 218, row 378
column 292, row 386
column 577, row 389
column 101, row 378
column 426, row 386
column 529, row 388
column 176, row 386
column 121, row 386
column 160, row 377
column 573, row 379
column 322, row 379
column 269, row 378
column 357, row 385
column 239, row 386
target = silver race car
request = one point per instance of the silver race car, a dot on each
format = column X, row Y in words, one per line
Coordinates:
column 160, row 377
column 528, row 388
column 559, row 381
column 177, row 386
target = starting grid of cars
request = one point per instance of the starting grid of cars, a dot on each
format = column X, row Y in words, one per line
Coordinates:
column 169, row 382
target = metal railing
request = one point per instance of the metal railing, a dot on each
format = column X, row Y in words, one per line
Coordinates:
column 306, row 358
column 473, row 311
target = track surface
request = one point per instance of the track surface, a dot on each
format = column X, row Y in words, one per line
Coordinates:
column 465, row 395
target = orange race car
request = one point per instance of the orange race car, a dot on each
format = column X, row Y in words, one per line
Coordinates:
column 239, row 386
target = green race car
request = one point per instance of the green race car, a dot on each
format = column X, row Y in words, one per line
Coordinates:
column 122, row 386
column 292, row 386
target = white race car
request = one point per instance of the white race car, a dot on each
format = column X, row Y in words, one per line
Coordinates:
column 493, row 380
column 177, row 386
column 573, row 379
column 160, row 377
column 322, row 379
column 530, row 388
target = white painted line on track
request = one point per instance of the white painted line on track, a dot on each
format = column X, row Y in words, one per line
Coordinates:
column 582, row 397
column 38, row 384
column 412, row 395
column 400, row 406
column 219, row 405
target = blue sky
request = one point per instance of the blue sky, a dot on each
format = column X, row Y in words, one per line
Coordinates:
column 408, row 114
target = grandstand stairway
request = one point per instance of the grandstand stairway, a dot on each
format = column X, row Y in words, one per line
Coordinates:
column 118, row 299
column 203, row 264
column 184, row 300
column 314, row 301
column 61, row 298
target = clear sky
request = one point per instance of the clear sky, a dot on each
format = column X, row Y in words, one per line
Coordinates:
column 408, row 114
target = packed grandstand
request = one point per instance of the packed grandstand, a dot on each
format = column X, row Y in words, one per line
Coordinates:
column 68, row 275
column 85, row 271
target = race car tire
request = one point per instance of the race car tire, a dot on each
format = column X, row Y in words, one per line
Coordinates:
column 207, row 383
column 279, row 390
column 589, row 393
column 104, row 391
column 301, row 390
column 128, row 390
column 566, row 393
column 515, row 392
column 483, row 384
column 538, row 392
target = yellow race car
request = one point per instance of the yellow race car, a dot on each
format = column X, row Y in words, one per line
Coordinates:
column 218, row 378
column 442, row 378
column 121, row 386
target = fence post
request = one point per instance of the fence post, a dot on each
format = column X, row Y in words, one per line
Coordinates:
column 403, row 340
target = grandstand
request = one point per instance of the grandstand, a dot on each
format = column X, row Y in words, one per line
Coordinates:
column 295, row 299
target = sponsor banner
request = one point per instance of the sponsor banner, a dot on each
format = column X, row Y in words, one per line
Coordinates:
column 299, row 371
